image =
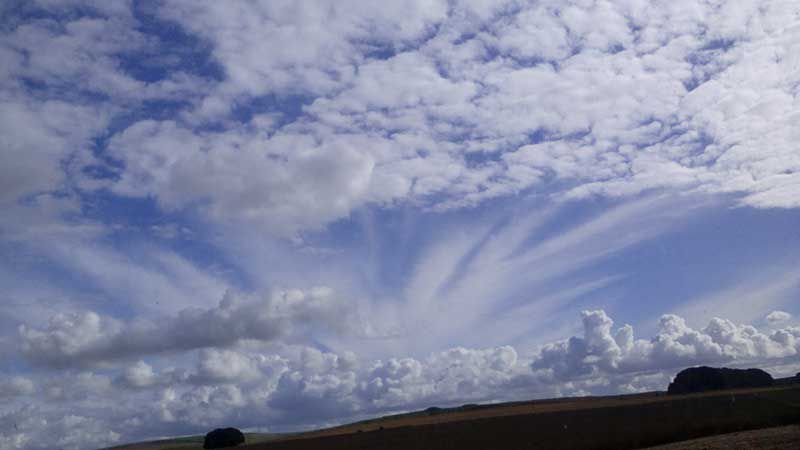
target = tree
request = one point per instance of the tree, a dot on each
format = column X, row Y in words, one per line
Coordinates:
column 223, row 437
column 700, row 379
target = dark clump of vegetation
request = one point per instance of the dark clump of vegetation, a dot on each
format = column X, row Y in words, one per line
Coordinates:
column 433, row 410
column 223, row 437
column 702, row 379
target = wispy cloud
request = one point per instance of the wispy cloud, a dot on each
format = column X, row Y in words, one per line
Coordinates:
column 748, row 299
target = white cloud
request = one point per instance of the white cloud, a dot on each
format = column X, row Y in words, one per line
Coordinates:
column 226, row 365
column 320, row 45
column 16, row 385
column 688, row 111
column 63, row 84
column 684, row 98
column 75, row 388
column 432, row 105
column 504, row 270
column 33, row 429
column 778, row 317
column 756, row 290
column 67, row 336
column 38, row 137
column 319, row 396
column 288, row 387
column 288, row 183
column 87, row 338
column 676, row 345
column 139, row 375
column 439, row 105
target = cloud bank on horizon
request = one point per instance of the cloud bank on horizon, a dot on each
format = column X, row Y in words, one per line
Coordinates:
column 283, row 214
column 258, row 379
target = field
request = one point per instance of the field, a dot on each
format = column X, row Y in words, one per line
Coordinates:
column 193, row 442
column 619, row 422
column 777, row 438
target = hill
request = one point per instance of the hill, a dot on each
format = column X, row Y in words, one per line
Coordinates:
column 194, row 442
column 623, row 421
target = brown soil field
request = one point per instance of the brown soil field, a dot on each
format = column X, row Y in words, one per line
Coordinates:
column 619, row 422
column 777, row 438
column 613, row 422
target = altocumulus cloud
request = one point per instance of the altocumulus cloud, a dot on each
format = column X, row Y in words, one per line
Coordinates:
column 475, row 83
column 442, row 105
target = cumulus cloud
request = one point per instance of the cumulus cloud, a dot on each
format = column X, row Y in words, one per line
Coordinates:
column 454, row 375
column 139, row 375
column 226, row 365
column 601, row 351
column 33, row 428
column 778, row 317
column 85, row 338
column 290, row 387
column 321, row 396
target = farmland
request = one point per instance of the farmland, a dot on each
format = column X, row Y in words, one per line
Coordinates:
column 627, row 421
column 775, row 438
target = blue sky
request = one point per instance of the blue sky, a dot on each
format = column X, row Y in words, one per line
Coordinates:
column 283, row 215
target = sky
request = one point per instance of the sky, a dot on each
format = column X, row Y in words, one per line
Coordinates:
column 280, row 215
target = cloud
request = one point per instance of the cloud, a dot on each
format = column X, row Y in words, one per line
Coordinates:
column 86, row 338
column 458, row 111
column 504, row 270
column 228, row 365
column 15, row 386
column 320, row 396
column 320, row 45
column 458, row 374
column 31, row 430
column 442, row 105
column 778, row 317
column 62, row 86
column 287, row 387
column 287, row 183
column 38, row 139
column 601, row 351
column 770, row 286
column 268, row 126
column 139, row 375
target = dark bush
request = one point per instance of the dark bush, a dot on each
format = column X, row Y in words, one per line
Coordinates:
column 223, row 437
column 701, row 379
